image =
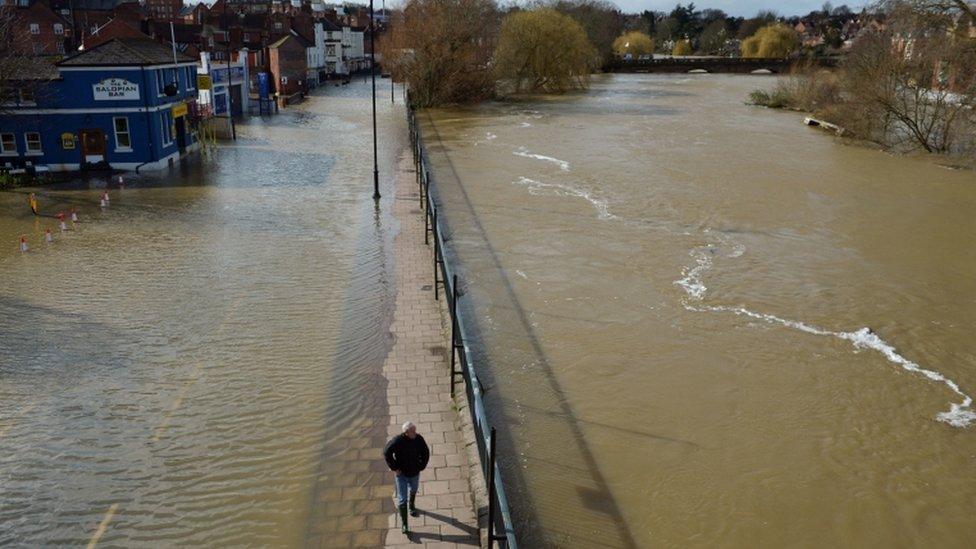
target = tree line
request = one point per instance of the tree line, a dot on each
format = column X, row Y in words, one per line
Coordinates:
column 454, row 51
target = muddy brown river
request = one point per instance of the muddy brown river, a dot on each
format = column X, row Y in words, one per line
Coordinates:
column 707, row 325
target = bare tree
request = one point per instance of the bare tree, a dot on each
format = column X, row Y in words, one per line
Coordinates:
column 930, row 6
column 20, row 74
column 921, row 79
column 442, row 49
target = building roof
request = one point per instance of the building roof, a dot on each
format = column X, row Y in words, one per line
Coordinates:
column 329, row 26
column 125, row 52
column 39, row 68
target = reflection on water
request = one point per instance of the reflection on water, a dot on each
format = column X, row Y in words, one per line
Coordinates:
column 177, row 365
column 655, row 269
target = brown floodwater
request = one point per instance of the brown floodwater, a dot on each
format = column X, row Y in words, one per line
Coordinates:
column 704, row 324
column 177, row 366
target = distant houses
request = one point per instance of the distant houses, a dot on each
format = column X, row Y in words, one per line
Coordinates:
column 234, row 57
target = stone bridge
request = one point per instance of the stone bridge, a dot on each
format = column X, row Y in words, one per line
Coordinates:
column 710, row 64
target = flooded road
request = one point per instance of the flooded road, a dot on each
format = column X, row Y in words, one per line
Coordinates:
column 175, row 369
column 707, row 325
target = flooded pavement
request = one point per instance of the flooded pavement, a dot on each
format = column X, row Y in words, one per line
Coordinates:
column 707, row 325
column 175, row 369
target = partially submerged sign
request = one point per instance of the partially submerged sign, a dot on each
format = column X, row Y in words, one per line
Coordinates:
column 115, row 89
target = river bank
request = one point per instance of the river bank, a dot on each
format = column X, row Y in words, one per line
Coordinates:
column 937, row 127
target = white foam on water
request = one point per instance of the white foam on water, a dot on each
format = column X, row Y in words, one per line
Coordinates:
column 538, row 187
column 522, row 151
column 691, row 280
column 521, row 274
column 525, row 125
column 960, row 414
column 489, row 136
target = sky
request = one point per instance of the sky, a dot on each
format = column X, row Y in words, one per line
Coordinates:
column 745, row 8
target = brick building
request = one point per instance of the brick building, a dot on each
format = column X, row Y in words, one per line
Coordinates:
column 288, row 66
column 164, row 10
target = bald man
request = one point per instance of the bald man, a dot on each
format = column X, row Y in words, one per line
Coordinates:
column 407, row 455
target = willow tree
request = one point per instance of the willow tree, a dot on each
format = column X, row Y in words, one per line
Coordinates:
column 682, row 47
column 543, row 51
column 634, row 43
column 442, row 49
column 776, row 40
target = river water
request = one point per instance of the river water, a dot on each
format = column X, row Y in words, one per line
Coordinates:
column 177, row 367
column 704, row 324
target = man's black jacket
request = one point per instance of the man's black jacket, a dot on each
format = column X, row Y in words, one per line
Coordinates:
column 407, row 455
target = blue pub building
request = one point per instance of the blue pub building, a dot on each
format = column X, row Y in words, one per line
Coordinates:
column 123, row 104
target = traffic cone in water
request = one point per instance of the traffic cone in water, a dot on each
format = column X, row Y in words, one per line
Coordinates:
column 105, row 197
column 74, row 216
column 23, row 244
column 102, row 203
column 48, row 237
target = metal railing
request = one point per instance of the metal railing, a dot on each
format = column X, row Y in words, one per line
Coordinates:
column 500, row 528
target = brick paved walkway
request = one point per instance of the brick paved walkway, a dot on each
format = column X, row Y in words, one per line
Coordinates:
column 353, row 501
column 418, row 387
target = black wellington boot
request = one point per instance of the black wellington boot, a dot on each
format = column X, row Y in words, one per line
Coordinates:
column 403, row 520
column 413, row 505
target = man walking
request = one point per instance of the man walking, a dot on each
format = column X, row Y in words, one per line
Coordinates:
column 407, row 455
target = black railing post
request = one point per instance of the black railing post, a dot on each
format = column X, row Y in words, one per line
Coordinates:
column 454, row 334
column 491, row 489
column 437, row 251
column 427, row 227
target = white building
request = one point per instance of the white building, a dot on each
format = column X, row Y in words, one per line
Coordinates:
column 316, row 58
column 354, row 48
column 227, row 85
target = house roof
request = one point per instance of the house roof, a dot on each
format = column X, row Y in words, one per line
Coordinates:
column 329, row 26
column 40, row 68
column 125, row 52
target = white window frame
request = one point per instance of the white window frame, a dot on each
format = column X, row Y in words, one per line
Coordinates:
column 34, row 28
column 166, row 127
column 4, row 151
column 28, row 151
column 59, row 29
column 128, row 134
column 160, row 82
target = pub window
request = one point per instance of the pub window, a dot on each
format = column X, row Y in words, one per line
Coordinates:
column 160, row 81
column 166, row 128
column 35, row 28
column 190, row 77
column 8, row 143
column 58, row 28
column 26, row 95
column 122, row 138
column 33, row 142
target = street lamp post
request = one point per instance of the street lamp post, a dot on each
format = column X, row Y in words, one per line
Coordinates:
column 230, row 80
column 372, row 72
